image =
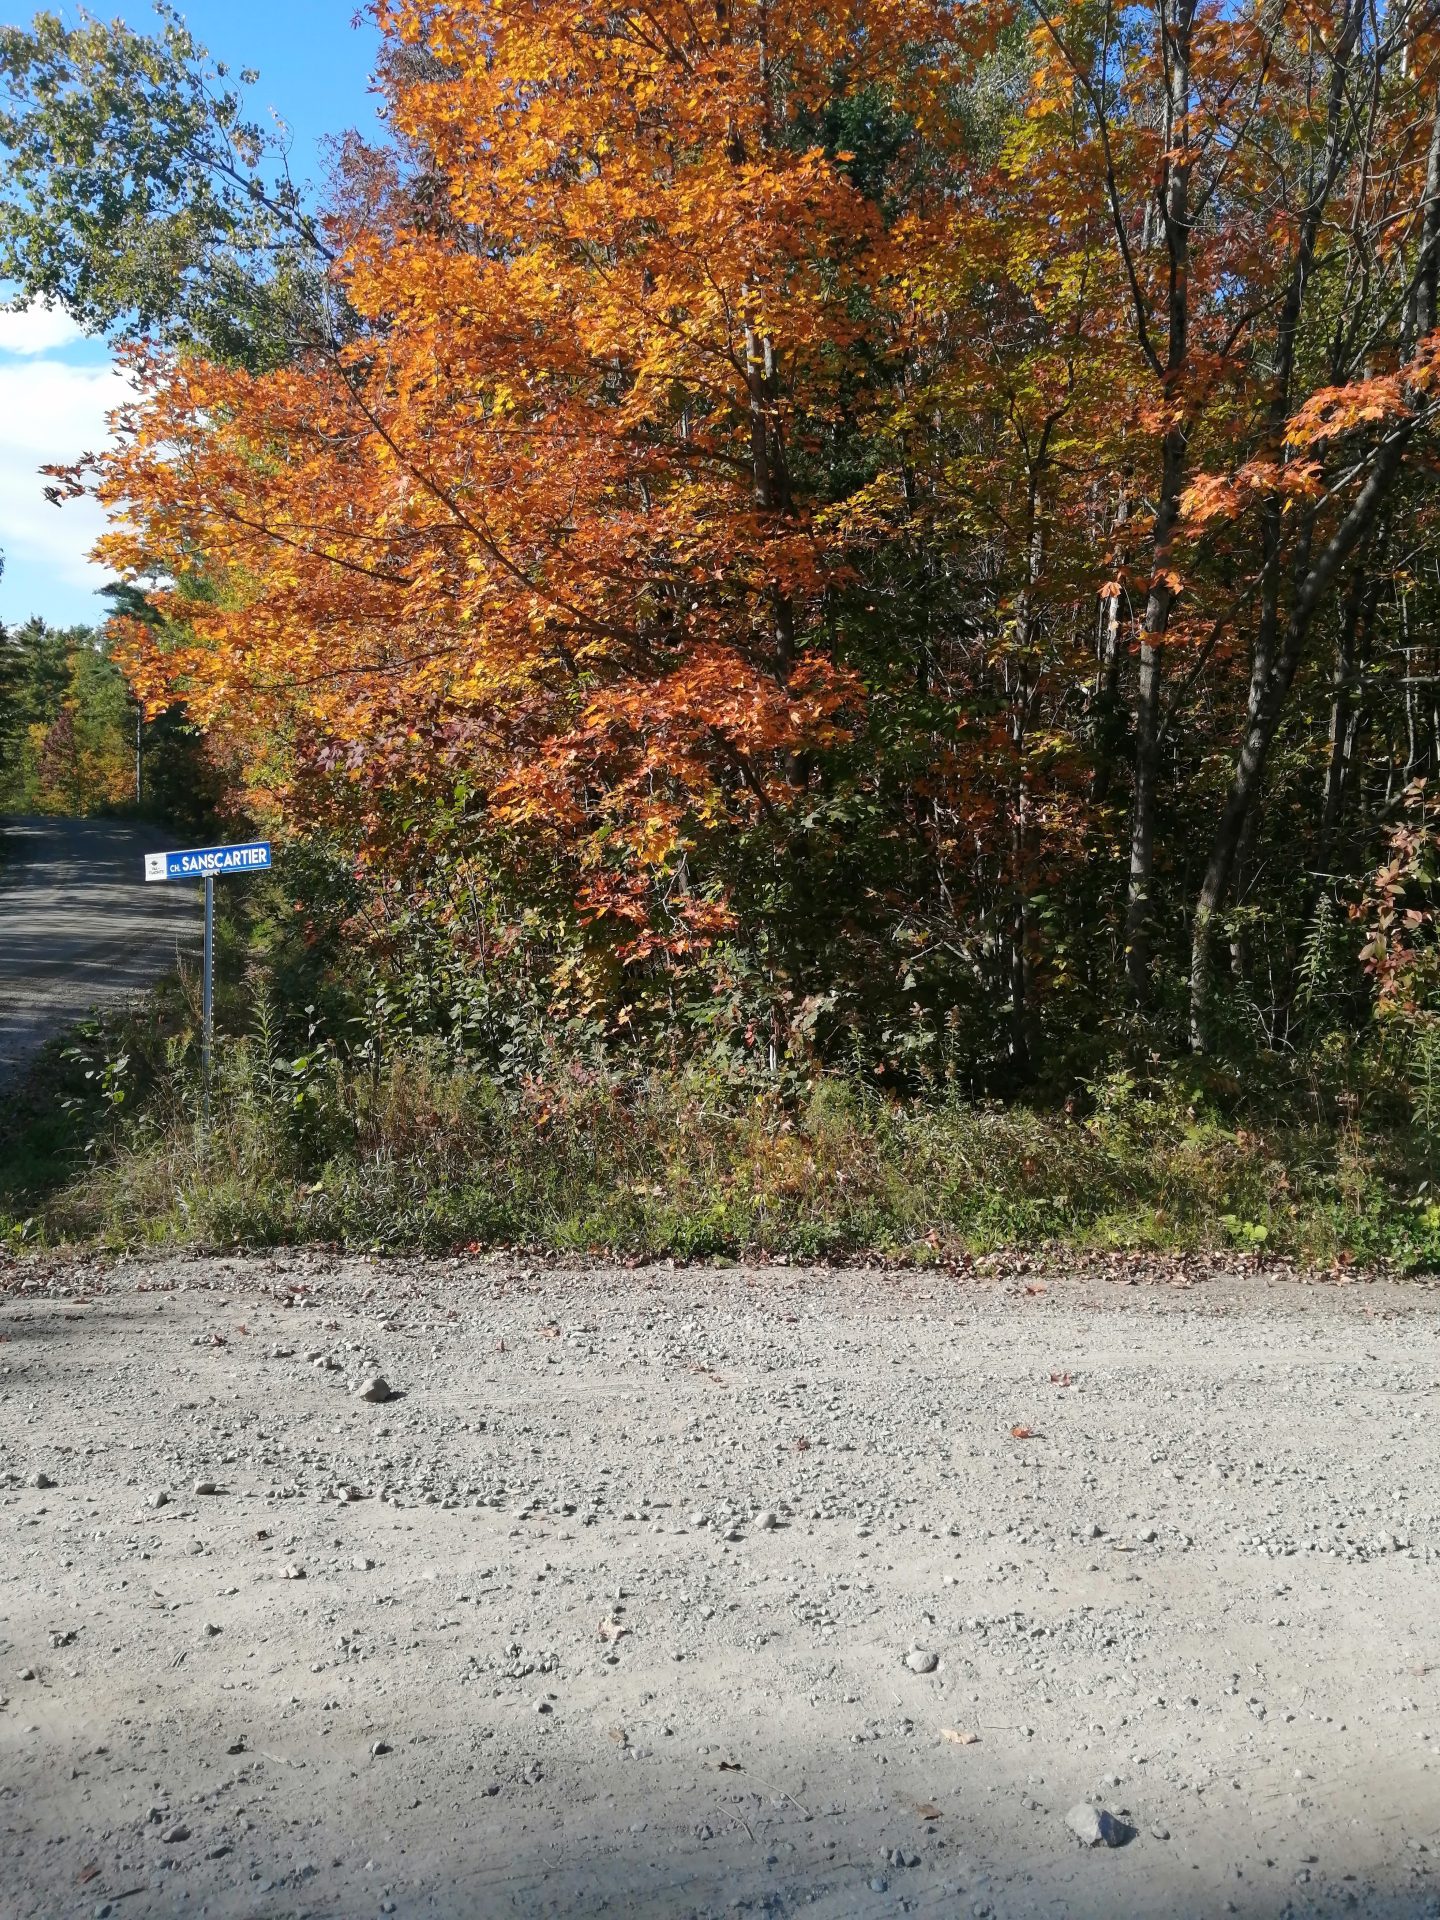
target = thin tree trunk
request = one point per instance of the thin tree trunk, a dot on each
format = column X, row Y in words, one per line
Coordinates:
column 759, row 415
column 1138, row 941
column 769, row 473
column 1139, row 903
column 1239, row 944
column 1356, row 616
column 1106, row 707
column 1021, row 1053
column 1020, row 1057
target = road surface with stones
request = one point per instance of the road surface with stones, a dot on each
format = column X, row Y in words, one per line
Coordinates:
column 715, row 1592
column 79, row 928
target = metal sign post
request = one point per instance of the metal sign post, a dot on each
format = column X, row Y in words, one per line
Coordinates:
column 208, row 990
column 205, row 863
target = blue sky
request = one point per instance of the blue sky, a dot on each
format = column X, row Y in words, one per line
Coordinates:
column 55, row 387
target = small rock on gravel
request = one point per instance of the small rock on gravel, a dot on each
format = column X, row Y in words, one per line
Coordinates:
column 42, row 1481
column 375, row 1389
column 920, row 1660
column 293, row 1573
column 766, row 1520
column 1094, row 1827
column 176, row 1835
column 204, row 1487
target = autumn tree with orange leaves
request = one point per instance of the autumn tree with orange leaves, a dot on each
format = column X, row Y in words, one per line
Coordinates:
column 552, row 524
column 908, row 524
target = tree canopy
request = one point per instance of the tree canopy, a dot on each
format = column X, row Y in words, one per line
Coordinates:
column 906, row 530
column 141, row 198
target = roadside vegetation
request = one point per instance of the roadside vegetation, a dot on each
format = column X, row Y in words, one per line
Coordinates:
column 341, row 1115
column 424, row 1152
column 834, row 612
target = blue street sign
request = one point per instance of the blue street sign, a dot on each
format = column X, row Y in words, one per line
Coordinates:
column 208, row 864
column 205, row 863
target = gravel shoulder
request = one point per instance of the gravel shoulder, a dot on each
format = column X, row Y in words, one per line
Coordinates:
column 613, row 1606
column 79, row 928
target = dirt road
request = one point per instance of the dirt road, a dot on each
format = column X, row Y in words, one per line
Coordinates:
column 79, row 928
column 712, row 1593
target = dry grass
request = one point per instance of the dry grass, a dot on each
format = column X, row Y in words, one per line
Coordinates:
column 431, row 1154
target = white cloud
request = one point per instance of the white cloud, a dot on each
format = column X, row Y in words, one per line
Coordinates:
column 50, row 412
column 37, row 329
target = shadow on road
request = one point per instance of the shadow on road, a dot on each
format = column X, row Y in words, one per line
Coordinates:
column 79, row 928
column 274, row 1692
column 82, row 939
column 428, row 1829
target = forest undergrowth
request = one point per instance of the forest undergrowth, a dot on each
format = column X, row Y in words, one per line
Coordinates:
column 341, row 1123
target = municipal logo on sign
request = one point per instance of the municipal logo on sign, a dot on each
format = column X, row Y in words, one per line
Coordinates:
column 206, row 863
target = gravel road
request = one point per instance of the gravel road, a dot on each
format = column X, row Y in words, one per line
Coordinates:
column 713, row 1593
column 79, row 928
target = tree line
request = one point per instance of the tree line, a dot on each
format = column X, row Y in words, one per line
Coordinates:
column 74, row 739
column 67, row 723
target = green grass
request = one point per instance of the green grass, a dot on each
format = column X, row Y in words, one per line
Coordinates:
column 427, row 1153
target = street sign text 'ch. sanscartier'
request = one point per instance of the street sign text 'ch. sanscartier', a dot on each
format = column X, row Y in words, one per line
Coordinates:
column 198, row 863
